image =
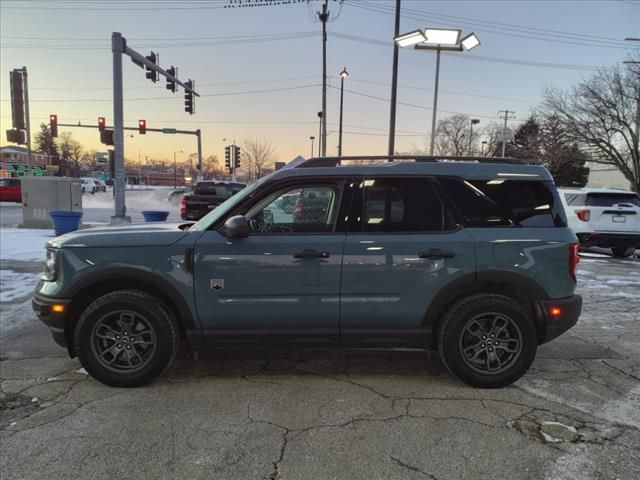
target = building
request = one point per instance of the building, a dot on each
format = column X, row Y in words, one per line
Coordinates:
column 14, row 161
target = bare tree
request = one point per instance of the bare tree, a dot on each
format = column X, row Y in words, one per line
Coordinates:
column 70, row 151
column 494, row 134
column 258, row 156
column 600, row 116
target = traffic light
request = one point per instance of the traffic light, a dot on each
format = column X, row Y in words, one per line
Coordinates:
column 142, row 127
column 151, row 73
column 106, row 137
column 17, row 99
column 189, row 105
column 236, row 157
column 17, row 136
column 53, row 125
column 227, row 156
column 171, row 85
column 102, row 123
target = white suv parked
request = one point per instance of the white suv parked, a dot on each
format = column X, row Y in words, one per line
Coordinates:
column 604, row 217
column 89, row 185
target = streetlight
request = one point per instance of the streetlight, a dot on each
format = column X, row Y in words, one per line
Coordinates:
column 474, row 121
column 343, row 74
column 438, row 39
column 175, row 172
column 312, row 138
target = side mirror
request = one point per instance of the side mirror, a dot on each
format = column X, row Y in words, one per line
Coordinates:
column 236, row 227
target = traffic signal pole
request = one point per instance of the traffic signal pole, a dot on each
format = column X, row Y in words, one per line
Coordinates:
column 26, row 118
column 118, row 48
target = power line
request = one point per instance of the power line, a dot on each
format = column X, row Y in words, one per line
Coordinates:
column 76, row 100
column 414, row 105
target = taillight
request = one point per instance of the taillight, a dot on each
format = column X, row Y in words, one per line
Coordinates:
column 574, row 259
column 584, row 215
column 183, row 206
column 298, row 210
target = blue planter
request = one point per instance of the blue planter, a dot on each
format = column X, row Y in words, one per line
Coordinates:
column 155, row 215
column 64, row 221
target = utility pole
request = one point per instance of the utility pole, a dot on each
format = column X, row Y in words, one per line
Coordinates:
column 507, row 116
column 394, row 86
column 635, row 162
column 324, row 17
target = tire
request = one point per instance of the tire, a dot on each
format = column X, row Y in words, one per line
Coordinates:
column 460, row 331
column 126, row 338
column 622, row 251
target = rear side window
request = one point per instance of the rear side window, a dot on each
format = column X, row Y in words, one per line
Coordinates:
column 610, row 199
column 575, row 199
column 401, row 205
column 489, row 203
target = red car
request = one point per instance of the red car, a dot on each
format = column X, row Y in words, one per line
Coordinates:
column 10, row 190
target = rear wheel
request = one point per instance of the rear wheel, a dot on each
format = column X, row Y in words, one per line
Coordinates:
column 622, row 251
column 487, row 340
column 126, row 338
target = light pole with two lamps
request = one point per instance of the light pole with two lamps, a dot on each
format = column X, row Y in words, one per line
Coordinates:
column 343, row 74
column 438, row 39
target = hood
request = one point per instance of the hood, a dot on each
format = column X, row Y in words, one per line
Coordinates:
column 132, row 235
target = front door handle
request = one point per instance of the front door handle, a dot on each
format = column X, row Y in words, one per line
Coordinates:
column 311, row 253
column 437, row 253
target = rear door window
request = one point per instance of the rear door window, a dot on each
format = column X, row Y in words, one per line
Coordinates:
column 401, row 205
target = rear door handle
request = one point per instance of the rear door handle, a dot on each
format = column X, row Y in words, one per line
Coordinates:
column 310, row 253
column 437, row 253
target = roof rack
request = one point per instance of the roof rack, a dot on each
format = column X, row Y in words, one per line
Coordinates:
column 336, row 161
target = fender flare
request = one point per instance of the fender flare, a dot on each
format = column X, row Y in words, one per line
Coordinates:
column 82, row 282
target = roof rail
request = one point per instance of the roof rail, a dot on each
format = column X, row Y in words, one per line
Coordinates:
column 337, row 161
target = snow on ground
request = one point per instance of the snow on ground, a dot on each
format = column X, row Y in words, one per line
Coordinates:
column 16, row 286
column 24, row 244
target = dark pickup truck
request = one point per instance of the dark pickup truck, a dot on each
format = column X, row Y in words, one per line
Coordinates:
column 206, row 196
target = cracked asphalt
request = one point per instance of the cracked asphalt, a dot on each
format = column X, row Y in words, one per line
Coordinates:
column 335, row 414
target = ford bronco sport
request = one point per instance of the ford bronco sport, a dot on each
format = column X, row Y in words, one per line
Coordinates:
column 472, row 258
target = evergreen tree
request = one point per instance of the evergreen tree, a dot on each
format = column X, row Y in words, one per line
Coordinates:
column 45, row 143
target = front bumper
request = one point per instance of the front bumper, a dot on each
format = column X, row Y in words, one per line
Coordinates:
column 609, row 239
column 558, row 323
column 55, row 321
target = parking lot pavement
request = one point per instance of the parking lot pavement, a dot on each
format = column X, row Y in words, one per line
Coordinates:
column 335, row 415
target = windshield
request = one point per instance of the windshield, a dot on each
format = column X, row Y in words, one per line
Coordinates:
column 211, row 217
column 610, row 199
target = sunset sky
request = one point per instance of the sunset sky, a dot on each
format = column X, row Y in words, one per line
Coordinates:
column 259, row 69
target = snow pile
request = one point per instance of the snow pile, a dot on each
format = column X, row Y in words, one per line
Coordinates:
column 27, row 245
column 16, row 286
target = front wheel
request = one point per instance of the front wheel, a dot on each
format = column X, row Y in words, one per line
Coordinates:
column 487, row 340
column 126, row 338
column 622, row 251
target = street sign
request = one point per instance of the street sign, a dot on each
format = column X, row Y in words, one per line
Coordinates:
column 168, row 130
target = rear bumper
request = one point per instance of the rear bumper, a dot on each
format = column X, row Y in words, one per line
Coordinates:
column 55, row 321
column 556, row 323
column 609, row 239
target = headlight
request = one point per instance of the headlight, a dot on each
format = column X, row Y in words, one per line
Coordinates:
column 50, row 266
